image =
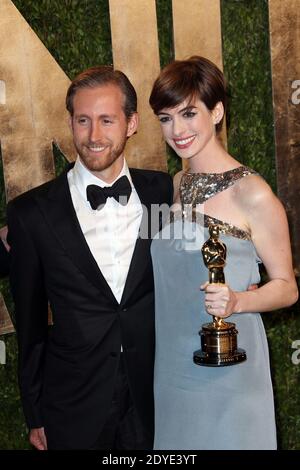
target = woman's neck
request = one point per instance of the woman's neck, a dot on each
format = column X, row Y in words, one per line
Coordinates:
column 214, row 159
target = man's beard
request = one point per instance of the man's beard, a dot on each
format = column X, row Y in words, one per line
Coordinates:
column 98, row 164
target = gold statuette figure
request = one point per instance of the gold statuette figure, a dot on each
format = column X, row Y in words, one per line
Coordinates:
column 218, row 338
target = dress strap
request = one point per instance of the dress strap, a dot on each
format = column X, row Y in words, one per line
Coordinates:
column 196, row 188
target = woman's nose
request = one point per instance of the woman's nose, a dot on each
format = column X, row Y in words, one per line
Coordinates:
column 178, row 127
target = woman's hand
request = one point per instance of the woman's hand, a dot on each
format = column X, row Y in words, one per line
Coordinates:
column 220, row 300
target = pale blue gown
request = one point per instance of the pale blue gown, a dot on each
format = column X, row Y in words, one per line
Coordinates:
column 200, row 407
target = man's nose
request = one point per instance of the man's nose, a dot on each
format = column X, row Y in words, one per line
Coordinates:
column 96, row 132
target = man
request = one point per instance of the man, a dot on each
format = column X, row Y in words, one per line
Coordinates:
column 4, row 253
column 86, row 382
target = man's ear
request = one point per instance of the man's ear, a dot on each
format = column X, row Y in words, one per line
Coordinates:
column 133, row 122
column 218, row 112
column 70, row 123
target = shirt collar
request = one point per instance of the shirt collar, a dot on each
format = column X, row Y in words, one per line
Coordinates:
column 83, row 177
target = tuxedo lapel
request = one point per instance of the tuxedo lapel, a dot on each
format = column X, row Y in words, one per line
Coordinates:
column 141, row 253
column 58, row 210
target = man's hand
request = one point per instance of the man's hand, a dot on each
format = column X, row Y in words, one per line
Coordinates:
column 3, row 236
column 38, row 439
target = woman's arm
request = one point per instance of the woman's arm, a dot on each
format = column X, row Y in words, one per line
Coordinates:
column 268, row 224
column 176, row 185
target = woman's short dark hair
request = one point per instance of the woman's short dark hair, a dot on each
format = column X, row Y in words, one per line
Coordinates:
column 196, row 77
column 100, row 76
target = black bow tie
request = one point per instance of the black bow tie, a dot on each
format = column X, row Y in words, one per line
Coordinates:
column 120, row 190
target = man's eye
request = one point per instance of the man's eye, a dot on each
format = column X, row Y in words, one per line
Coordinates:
column 82, row 121
column 107, row 121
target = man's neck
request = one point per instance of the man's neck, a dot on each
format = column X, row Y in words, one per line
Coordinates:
column 110, row 174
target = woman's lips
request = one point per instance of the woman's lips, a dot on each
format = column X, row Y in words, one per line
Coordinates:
column 184, row 143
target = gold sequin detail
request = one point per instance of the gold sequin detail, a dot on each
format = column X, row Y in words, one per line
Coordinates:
column 226, row 228
column 196, row 188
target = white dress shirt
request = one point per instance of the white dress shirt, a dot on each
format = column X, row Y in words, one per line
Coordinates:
column 111, row 232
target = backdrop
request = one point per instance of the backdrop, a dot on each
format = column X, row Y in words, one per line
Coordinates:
column 78, row 34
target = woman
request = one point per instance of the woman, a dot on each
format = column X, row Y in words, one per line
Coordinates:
column 214, row 407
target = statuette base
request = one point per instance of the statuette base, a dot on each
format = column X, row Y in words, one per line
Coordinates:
column 219, row 346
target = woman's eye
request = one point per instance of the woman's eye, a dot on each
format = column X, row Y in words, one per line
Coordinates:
column 189, row 114
column 164, row 119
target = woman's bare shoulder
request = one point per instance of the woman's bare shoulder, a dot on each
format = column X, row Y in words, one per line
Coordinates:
column 253, row 190
column 258, row 202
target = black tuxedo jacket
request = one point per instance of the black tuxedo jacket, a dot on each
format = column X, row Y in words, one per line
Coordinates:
column 4, row 260
column 67, row 370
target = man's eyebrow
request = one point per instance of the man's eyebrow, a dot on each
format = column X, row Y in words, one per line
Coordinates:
column 111, row 116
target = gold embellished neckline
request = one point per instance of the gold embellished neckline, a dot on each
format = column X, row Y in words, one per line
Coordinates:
column 232, row 170
column 197, row 188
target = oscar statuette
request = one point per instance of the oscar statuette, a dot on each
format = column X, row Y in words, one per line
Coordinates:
column 218, row 338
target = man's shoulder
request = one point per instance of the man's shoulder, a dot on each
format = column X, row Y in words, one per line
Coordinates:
column 151, row 174
column 29, row 197
column 158, row 183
